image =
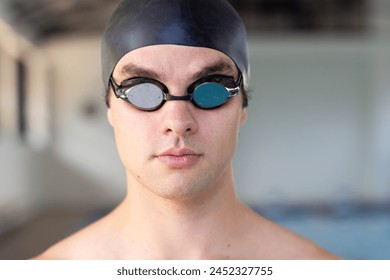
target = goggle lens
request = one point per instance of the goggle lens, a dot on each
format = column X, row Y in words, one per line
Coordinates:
column 145, row 96
column 210, row 95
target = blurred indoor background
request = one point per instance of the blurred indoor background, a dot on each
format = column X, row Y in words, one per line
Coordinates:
column 313, row 156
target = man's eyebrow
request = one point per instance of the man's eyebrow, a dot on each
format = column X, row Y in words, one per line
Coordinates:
column 218, row 67
column 138, row 71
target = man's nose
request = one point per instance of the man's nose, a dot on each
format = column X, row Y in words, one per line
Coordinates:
column 178, row 118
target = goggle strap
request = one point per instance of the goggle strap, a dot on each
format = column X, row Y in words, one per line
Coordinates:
column 233, row 91
column 115, row 88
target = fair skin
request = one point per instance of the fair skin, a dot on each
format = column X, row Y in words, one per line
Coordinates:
column 181, row 201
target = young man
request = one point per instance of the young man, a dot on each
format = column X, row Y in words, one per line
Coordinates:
column 175, row 73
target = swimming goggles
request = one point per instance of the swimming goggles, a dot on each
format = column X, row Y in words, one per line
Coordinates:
column 148, row 94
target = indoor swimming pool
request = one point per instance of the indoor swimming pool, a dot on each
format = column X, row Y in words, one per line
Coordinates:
column 351, row 232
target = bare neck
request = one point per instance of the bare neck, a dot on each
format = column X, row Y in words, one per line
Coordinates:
column 201, row 226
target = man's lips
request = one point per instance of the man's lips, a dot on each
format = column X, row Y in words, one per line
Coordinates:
column 178, row 158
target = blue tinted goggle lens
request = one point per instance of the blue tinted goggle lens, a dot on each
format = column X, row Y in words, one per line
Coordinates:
column 149, row 95
column 210, row 95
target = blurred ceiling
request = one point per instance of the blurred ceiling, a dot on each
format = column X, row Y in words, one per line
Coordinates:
column 42, row 19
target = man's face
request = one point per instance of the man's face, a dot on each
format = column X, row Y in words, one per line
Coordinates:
column 179, row 150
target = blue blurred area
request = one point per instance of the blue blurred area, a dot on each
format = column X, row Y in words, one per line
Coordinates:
column 352, row 232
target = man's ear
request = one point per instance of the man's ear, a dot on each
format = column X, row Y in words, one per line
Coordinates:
column 244, row 116
column 109, row 111
column 109, row 116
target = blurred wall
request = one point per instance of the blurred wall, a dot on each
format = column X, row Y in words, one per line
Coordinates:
column 18, row 196
column 83, row 142
column 318, row 121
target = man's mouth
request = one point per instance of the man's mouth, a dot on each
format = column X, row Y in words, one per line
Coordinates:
column 179, row 158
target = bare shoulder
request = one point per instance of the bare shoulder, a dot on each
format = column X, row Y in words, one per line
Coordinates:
column 269, row 240
column 84, row 244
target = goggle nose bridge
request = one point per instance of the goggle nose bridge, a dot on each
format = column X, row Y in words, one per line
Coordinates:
column 169, row 97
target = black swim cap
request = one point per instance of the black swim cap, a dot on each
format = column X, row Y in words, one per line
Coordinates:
column 199, row 23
